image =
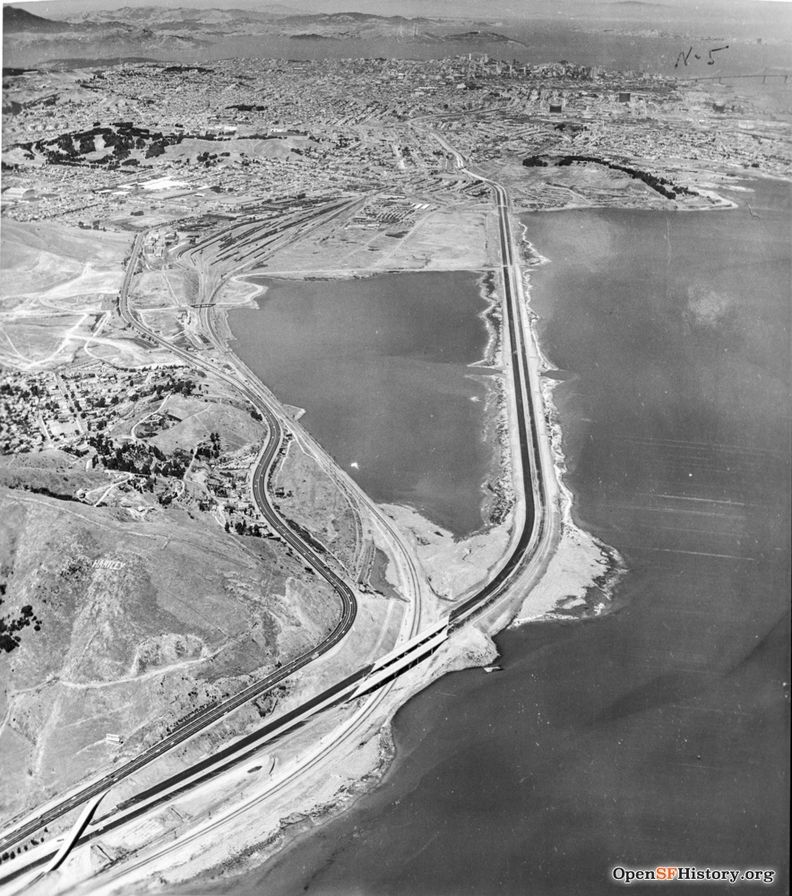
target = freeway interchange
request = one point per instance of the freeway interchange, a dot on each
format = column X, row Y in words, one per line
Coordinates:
column 536, row 531
column 213, row 713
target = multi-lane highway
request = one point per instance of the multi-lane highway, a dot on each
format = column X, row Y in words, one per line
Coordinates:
column 198, row 722
column 531, row 547
column 539, row 528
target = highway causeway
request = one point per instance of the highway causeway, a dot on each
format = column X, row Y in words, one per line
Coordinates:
column 530, row 549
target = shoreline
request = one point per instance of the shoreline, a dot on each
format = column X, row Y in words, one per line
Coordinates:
column 720, row 205
column 496, row 489
column 556, row 596
column 496, row 496
column 468, row 649
column 590, row 595
column 582, row 565
column 554, row 410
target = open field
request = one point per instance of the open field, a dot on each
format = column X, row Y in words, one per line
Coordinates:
column 139, row 625
column 56, row 283
column 170, row 531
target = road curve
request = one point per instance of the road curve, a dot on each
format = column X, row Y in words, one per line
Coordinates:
column 527, row 414
column 202, row 719
column 534, row 540
column 541, row 528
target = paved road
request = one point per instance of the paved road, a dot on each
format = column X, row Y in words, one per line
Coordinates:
column 534, row 541
column 534, row 531
column 539, row 531
column 208, row 716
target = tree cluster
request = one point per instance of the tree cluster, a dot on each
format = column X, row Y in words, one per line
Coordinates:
column 139, row 458
column 12, row 624
column 212, row 450
column 121, row 139
column 661, row 185
column 241, row 527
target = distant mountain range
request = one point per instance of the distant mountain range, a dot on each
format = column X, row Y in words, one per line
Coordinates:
column 16, row 19
column 182, row 33
column 347, row 18
column 188, row 34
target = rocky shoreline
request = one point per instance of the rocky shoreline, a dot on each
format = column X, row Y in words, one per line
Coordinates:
column 497, row 490
column 578, row 582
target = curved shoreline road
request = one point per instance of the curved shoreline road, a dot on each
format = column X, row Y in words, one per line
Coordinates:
column 525, row 562
column 531, row 550
column 538, row 530
column 532, row 545
column 59, row 806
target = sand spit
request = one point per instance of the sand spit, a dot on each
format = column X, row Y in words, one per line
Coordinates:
column 491, row 317
column 718, row 202
column 242, row 292
column 498, row 497
column 583, row 571
column 577, row 583
column 579, row 580
column 275, row 798
column 452, row 566
column 497, row 490
column 311, row 787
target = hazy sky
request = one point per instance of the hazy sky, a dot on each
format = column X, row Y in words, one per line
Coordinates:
column 450, row 8
column 447, row 8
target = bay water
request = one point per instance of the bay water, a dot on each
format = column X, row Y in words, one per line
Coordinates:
column 382, row 367
column 656, row 733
